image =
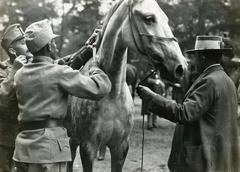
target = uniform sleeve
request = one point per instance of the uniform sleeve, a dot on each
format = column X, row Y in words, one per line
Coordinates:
column 7, row 90
column 193, row 107
column 95, row 86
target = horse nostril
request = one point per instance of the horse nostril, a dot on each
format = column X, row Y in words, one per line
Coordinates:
column 179, row 71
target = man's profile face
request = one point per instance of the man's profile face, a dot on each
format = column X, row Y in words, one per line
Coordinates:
column 199, row 62
column 54, row 50
column 20, row 48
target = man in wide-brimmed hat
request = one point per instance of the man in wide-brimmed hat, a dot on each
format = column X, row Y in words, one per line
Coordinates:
column 13, row 42
column 42, row 89
column 206, row 134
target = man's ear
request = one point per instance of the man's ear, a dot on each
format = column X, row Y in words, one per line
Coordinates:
column 12, row 51
column 49, row 46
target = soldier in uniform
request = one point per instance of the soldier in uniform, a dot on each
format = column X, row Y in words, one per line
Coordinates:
column 13, row 42
column 42, row 90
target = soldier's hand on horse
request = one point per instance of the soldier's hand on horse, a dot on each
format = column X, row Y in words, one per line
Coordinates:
column 145, row 92
column 93, row 64
column 67, row 59
column 64, row 60
column 19, row 62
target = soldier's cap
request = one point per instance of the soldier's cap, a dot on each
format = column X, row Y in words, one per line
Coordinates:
column 12, row 34
column 208, row 43
column 38, row 35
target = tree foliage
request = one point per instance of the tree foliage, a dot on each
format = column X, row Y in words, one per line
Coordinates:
column 26, row 12
column 79, row 25
column 187, row 18
column 191, row 18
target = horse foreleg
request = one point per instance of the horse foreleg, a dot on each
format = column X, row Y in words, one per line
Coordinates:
column 118, row 156
column 73, row 146
column 88, row 155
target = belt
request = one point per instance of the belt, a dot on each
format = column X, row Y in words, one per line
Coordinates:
column 34, row 125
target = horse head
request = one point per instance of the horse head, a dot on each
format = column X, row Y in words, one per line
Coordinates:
column 152, row 36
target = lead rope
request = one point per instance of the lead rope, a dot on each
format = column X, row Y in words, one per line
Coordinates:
column 146, row 77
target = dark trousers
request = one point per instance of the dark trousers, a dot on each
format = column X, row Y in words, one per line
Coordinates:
column 6, row 162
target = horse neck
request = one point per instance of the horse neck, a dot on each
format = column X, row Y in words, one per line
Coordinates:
column 114, row 61
column 112, row 52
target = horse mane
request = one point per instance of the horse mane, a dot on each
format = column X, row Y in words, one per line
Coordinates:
column 110, row 13
column 108, row 17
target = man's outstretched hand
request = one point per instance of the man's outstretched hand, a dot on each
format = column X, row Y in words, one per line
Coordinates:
column 145, row 92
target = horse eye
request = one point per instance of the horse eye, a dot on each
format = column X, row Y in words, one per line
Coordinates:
column 149, row 19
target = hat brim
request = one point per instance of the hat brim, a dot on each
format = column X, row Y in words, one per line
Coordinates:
column 17, row 38
column 54, row 36
column 193, row 50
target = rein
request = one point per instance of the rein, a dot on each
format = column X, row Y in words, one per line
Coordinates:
column 142, row 34
column 145, row 78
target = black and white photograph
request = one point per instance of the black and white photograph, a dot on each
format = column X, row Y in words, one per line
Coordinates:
column 119, row 86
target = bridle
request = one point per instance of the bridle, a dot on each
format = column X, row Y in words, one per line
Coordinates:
column 141, row 34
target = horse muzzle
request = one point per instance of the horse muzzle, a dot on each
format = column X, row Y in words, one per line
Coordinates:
column 170, row 74
column 178, row 72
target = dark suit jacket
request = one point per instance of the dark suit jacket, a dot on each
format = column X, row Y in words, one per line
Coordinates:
column 206, row 135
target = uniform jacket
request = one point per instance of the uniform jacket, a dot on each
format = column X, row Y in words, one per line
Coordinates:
column 42, row 90
column 8, row 105
column 206, row 135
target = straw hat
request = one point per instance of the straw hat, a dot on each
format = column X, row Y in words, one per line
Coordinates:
column 13, row 33
column 208, row 43
column 39, row 34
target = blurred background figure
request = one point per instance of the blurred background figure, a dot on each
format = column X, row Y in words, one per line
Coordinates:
column 131, row 78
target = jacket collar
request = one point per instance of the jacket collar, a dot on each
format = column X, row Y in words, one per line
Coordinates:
column 42, row 59
column 212, row 66
column 208, row 70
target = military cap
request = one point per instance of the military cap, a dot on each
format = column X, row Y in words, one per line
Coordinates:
column 38, row 35
column 13, row 33
column 208, row 43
